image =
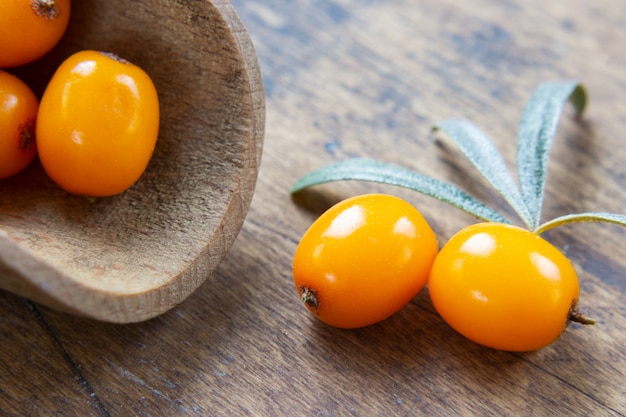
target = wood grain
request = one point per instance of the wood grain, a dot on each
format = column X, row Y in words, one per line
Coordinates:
column 368, row 78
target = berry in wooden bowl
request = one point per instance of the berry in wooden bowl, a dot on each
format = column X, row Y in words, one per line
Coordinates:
column 134, row 255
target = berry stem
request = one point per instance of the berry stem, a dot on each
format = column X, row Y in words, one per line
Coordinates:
column 577, row 317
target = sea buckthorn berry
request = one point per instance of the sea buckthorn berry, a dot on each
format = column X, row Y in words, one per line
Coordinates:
column 499, row 285
column 98, row 124
column 30, row 28
column 503, row 287
column 363, row 259
column 18, row 114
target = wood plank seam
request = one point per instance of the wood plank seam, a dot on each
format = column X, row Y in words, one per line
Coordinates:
column 98, row 406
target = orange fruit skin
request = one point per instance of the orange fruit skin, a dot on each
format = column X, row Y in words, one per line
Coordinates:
column 364, row 259
column 97, row 125
column 503, row 287
column 18, row 115
column 30, row 28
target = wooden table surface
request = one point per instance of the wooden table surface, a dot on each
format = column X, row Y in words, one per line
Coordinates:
column 368, row 78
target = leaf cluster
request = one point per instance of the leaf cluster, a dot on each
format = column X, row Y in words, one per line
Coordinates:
column 537, row 128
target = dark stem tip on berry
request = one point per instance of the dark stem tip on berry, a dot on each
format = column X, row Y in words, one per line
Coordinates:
column 115, row 57
column 46, row 9
column 577, row 317
column 309, row 297
column 27, row 135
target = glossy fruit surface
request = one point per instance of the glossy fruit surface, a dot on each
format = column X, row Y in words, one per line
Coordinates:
column 363, row 259
column 503, row 287
column 18, row 114
column 30, row 28
column 98, row 124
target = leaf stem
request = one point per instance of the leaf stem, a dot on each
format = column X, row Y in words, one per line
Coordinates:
column 582, row 218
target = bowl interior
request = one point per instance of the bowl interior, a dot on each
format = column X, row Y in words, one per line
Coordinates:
column 180, row 218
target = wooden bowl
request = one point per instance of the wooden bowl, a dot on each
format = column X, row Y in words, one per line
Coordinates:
column 133, row 256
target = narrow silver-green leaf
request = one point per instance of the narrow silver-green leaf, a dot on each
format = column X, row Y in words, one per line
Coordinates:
column 582, row 218
column 537, row 128
column 374, row 171
column 482, row 153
